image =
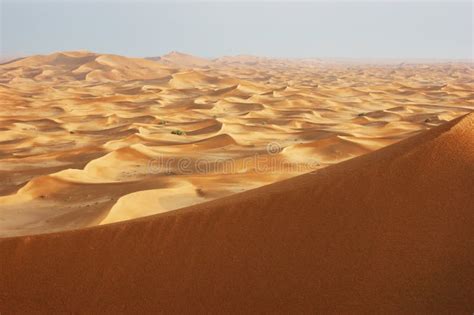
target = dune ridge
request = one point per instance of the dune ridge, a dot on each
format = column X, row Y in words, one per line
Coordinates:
column 386, row 232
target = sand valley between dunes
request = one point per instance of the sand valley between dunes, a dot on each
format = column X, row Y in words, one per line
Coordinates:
column 88, row 139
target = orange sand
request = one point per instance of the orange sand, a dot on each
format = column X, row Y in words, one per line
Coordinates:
column 387, row 232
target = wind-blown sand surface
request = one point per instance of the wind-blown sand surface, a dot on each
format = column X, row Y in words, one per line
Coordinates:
column 297, row 186
column 386, row 232
column 87, row 139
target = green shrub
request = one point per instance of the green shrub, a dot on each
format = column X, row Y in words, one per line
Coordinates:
column 178, row 132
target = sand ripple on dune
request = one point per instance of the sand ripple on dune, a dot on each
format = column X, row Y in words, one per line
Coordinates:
column 88, row 139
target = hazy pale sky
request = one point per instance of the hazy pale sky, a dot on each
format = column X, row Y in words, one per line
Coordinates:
column 283, row 29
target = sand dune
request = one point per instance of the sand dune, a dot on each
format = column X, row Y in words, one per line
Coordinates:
column 178, row 59
column 240, row 184
column 386, row 232
column 80, row 65
column 85, row 136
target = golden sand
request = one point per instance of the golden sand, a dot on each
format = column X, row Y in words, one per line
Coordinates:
column 88, row 139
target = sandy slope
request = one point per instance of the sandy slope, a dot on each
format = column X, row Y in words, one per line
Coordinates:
column 387, row 232
column 87, row 139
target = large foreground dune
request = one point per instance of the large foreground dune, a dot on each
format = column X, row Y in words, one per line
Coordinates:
column 386, row 232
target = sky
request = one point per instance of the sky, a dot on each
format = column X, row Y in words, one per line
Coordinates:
column 342, row 29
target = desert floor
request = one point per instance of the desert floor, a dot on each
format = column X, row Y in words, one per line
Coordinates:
column 297, row 186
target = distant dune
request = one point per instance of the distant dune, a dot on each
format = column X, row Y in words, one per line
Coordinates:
column 387, row 232
column 80, row 65
column 178, row 59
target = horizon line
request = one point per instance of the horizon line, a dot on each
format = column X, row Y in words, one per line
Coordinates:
column 7, row 58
